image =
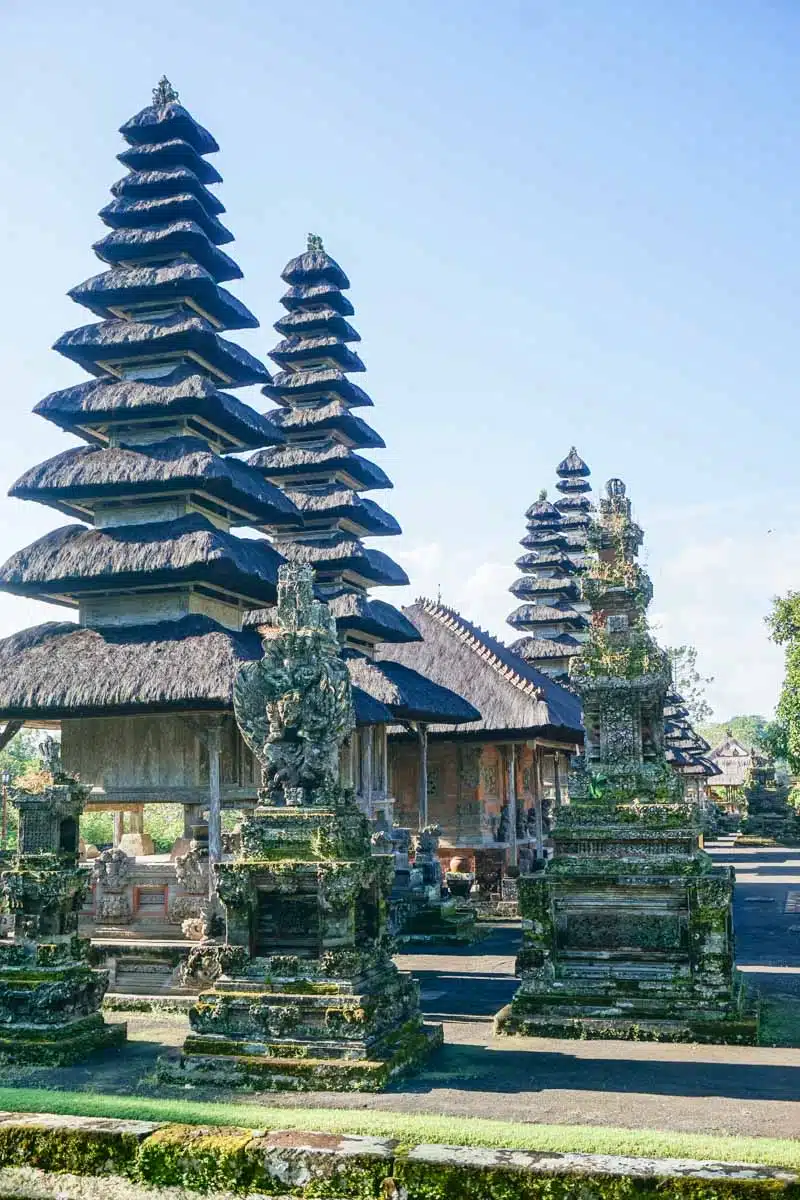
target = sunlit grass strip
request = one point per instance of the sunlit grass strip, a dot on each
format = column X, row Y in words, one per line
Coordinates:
column 413, row 1129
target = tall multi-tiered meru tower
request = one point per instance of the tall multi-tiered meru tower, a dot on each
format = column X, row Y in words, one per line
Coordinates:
column 553, row 615
column 319, row 468
column 149, row 561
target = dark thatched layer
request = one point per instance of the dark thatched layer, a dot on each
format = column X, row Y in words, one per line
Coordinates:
column 317, row 293
column 289, row 387
column 531, row 586
column 176, row 465
column 124, row 286
column 508, row 692
column 536, row 559
column 324, row 417
column 167, row 241
column 93, row 345
column 338, row 551
column 176, row 152
column 572, row 465
column 545, row 538
column 314, row 267
column 141, row 185
column 528, row 615
column 287, row 462
column 533, row 648
column 131, row 213
column 543, row 511
column 63, row 670
column 101, row 404
column 408, row 695
column 299, row 350
column 326, row 320
column 334, row 502
column 164, row 123
column 574, row 487
column 579, row 503
column 376, row 618
column 73, row 561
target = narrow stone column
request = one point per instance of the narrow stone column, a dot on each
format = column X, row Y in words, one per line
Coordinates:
column 539, row 794
column 511, row 801
column 214, row 741
column 366, row 770
column 119, row 827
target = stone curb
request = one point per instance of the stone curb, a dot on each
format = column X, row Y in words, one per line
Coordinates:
column 123, row 1160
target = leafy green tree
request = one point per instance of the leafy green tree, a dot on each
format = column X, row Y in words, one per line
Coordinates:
column 21, row 754
column 747, row 728
column 784, row 627
column 689, row 683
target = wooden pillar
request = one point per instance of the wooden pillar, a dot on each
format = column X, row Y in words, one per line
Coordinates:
column 511, row 802
column 539, row 793
column 557, row 770
column 214, row 741
column 422, row 735
column 136, row 820
column 366, row 769
column 353, row 751
column 119, row 827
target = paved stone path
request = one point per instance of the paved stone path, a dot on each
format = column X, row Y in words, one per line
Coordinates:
column 714, row 1089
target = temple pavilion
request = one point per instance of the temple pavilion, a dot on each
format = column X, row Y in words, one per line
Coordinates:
column 552, row 615
column 149, row 562
column 317, row 464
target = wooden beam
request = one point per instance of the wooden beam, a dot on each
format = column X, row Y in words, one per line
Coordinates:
column 422, row 736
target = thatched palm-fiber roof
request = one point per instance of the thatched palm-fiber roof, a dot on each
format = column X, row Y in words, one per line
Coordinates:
column 314, row 267
column 409, row 695
column 509, row 694
column 733, row 760
column 176, row 465
column 335, row 501
column 326, row 416
column 572, row 465
column 167, row 241
column 326, row 293
column 298, row 349
column 338, row 551
column 547, row 614
column 74, row 560
column 135, row 213
column 99, row 404
column 118, row 340
column 173, row 153
column 163, row 123
column 327, row 382
column 167, row 181
column 121, row 286
column 282, row 462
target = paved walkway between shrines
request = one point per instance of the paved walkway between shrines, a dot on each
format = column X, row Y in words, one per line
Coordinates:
column 713, row 1089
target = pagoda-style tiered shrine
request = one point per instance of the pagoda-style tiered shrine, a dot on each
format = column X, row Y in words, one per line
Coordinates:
column 322, row 472
column 628, row 930
column 149, row 562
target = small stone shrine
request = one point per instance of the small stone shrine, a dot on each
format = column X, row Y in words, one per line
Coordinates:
column 432, row 918
column 308, row 996
column 769, row 813
column 49, row 995
column 628, row 929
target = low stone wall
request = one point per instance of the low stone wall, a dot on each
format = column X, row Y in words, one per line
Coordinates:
column 101, row 1159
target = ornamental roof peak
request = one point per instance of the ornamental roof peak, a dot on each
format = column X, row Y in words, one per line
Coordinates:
column 164, row 93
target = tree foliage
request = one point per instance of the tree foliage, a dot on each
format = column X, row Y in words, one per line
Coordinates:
column 748, row 728
column 689, row 683
column 784, row 627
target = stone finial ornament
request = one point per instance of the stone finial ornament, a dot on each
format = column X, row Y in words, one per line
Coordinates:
column 314, row 244
column 164, row 93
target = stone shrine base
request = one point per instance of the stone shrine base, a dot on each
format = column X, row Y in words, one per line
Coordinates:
column 446, row 922
column 43, row 1045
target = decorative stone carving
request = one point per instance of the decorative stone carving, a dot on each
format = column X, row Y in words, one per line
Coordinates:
column 112, row 870
column 191, row 871
column 627, row 932
column 115, row 908
column 306, row 993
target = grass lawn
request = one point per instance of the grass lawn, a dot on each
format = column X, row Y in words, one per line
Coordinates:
column 412, row 1130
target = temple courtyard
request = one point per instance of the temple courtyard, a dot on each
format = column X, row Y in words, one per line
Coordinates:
column 730, row 1090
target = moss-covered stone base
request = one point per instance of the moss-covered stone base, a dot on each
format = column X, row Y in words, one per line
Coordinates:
column 449, row 923
column 54, row 1047
column 671, row 1026
column 288, row 1066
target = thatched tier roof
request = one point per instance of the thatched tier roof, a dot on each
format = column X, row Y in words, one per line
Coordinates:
column 530, row 615
column 317, row 293
column 299, row 350
column 77, row 480
column 74, row 561
column 122, row 287
column 574, row 486
column 156, row 156
column 578, row 503
column 97, row 406
column 324, row 320
column 163, row 124
column 325, row 417
column 61, row 671
column 734, row 762
column 542, row 511
column 167, row 241
column 163, row 182
column 55, row 671
column 285, row 463
column 573, row 465
column 133, row 213
column 545, row 538
column 409, row 695
column 329, row 383
column 335, row 552
column 549, row 559
column 92, row 346
column 355, row 612
column 334, row 502
column 529, row 586
column 507, row 691
column 315, row 267
column 533, row 648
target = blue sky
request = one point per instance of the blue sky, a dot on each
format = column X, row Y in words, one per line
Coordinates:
column 565, row 221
